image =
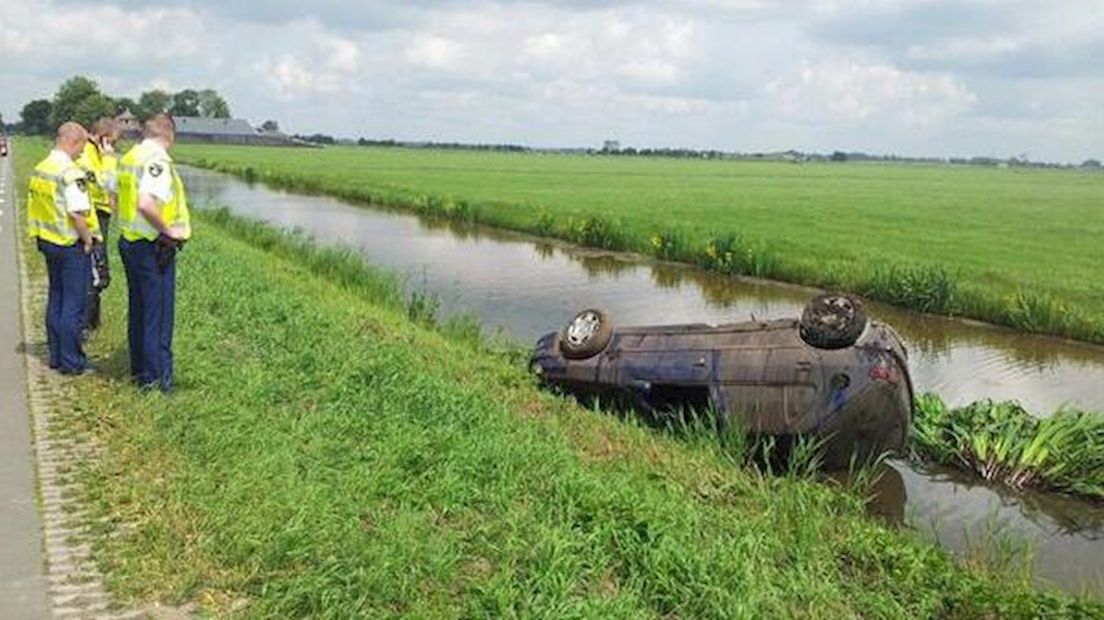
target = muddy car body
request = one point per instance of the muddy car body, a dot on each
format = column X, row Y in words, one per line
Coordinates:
column 765, row 376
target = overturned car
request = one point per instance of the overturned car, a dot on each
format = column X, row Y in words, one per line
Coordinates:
column 832, row 374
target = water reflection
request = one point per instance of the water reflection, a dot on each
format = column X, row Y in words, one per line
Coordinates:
column 528, row 286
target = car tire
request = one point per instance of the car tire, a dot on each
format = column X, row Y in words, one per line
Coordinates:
column 586, row 335
column 833, row 321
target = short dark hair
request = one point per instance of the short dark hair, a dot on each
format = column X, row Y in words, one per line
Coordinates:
column 105, row 126
column 160, row 126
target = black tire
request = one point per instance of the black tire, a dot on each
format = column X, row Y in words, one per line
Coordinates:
column 586, row 335
column 832, row 321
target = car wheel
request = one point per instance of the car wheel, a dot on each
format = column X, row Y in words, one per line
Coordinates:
column 586, row 335
column 832, row 321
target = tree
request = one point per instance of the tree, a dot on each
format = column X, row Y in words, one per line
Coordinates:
column 318, row 138
column 1091, row 163
column 36, row 117
column 69, row 98
column 122, row 104
column 839, row 156
column 94, row 108
column 153, row 102
column 270, row 125
column 212, row 105
column 185, row 103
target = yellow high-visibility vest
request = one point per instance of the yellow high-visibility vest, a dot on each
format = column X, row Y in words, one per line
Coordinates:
column 132, row 225
column 47, row 208
column 102, row 168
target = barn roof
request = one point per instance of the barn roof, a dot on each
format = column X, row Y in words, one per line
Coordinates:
column 213, row 126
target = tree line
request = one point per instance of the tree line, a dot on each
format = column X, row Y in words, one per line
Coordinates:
column 80, row 99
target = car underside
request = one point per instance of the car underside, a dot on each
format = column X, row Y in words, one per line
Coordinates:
column 850, row 390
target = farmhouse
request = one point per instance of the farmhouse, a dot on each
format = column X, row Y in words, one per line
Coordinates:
column 226, row 131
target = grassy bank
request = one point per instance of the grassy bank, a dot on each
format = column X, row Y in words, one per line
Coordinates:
column 1012, row 247
column 326, row 455
column 1004, row 443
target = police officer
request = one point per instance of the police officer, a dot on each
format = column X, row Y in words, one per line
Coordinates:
column 153, row 223
column 99, row 163
column 60, row 217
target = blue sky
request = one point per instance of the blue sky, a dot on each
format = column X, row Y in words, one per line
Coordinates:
column 916, row 77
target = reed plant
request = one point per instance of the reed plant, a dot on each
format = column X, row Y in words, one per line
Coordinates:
column 1004, row 443
column 929, row 288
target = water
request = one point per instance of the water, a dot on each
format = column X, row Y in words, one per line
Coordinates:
column 527, row 287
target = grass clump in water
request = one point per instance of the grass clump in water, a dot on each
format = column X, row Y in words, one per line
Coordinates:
column 1003, row 442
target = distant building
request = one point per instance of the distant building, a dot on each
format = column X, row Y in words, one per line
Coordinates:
column 129, row 126
column 226, row 131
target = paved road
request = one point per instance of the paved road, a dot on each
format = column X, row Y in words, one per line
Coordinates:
column 22, row 576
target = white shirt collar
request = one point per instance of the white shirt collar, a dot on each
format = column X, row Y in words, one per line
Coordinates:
column 156, row 147
column 61, row 156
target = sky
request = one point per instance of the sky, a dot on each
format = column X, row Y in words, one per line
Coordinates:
column 909, row 77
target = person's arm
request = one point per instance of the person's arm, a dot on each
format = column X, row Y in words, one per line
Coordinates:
column 80, row 222
column 154, row 190
column 150, row 208
column 78, row 207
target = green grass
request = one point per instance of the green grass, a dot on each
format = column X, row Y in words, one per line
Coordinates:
column 1004, row 443
column 1014, row 247
column 327, row 456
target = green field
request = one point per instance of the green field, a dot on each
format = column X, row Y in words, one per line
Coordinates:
column 1011, row 246
column 331, row 453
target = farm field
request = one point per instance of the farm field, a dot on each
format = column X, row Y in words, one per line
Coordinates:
column 1011, row 246
column 332, row 452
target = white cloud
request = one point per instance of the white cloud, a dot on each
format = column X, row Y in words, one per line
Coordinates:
column 854, row 92
column 43, row 31
column 543, row 46
column 324, row 64
column 433, row 52
column 964, row 48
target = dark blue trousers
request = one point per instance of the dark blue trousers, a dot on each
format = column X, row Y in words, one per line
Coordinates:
column 69, row 272
column 152, row 294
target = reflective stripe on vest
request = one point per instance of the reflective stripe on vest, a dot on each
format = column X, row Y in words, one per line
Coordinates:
column 47, row 209
column 132, row 225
